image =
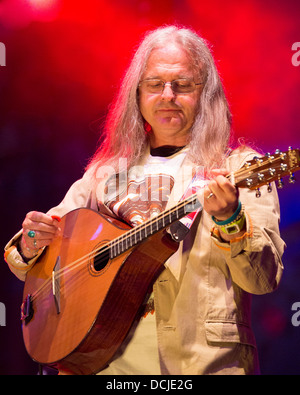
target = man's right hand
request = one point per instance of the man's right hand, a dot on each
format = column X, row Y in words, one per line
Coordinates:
column 45, row 229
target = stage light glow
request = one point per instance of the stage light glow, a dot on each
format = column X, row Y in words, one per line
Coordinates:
column 44, row 10
column 42, row 4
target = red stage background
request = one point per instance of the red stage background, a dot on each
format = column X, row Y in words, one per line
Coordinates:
column 64, row 62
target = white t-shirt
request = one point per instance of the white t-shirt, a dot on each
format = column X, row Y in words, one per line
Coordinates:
column 141, row 195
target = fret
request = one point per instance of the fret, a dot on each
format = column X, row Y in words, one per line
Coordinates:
column 157, row 228
column 148, row 230
column 122, row 245
column 141, row 234
column 253, row 174
column 160, row 222
column 111, row 251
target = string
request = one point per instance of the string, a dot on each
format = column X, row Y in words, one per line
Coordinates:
column 261, row 164
column 116, row 242
column 138, row 230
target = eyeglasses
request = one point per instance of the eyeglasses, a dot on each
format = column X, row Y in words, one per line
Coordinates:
column 182, row 85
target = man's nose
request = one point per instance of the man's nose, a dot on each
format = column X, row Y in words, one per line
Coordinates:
column 167, row 93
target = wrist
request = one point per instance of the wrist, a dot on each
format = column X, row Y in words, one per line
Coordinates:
column 233, row 225
column 26, row 252
column 221, row 222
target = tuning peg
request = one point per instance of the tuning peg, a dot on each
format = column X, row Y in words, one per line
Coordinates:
column 257, row 193
column 280, row 183
column 292, row 179
column 260, row 176
column 257, row 160
column 249, row 182
column 278, row 151
column 283, row 155
column 269, row 187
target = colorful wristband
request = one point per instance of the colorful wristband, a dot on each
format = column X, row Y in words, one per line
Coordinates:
column 235, row 223
column 235, row 227
column 231, row 219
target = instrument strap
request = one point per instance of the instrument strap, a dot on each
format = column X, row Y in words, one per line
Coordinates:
column 181, row 228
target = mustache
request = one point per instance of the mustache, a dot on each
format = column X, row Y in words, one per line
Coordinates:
column 167, row 107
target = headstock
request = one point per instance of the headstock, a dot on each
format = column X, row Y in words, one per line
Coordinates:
column 263, row 170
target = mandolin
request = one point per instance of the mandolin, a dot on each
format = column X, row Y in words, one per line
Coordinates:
column 84, row 293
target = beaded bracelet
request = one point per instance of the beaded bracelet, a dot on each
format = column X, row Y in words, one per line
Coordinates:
column 235, row 223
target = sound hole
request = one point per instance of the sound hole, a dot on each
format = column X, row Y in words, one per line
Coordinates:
column 101, row 260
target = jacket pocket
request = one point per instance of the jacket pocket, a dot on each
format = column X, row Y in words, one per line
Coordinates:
column 225, row 331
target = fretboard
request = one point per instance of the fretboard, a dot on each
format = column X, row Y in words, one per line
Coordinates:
column 141, row 232
column 254, row 173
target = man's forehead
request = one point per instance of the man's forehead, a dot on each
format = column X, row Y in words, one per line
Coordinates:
column 169, row 50
column 171, row 58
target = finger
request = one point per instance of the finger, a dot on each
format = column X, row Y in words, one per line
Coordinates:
column 210, row 195
column 37, row 221
column 225, row 185
column 224, row 198
column 215, row 189
column 216, row 172
column 41, row 235
column 220, row 176
column 40, row 227
column 37, row 244
column 207, row 193
column 37, row 216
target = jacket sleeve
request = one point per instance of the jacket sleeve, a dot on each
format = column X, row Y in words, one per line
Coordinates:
column 255, row 259
column 80, row 194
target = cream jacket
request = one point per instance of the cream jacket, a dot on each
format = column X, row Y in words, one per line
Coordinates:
column 203, row 297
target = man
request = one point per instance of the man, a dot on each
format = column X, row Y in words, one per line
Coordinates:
column 169, row 123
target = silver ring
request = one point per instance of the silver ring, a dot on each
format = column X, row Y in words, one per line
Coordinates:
column 210, row 196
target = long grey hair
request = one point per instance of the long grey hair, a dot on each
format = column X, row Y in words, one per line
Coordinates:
column 124, row 132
